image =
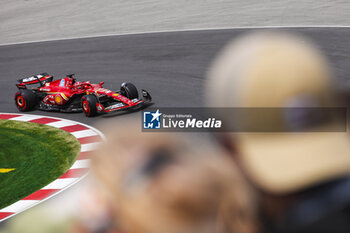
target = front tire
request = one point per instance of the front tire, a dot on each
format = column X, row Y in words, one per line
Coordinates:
column 88, row 103
column 129, row 90
column 25, row 100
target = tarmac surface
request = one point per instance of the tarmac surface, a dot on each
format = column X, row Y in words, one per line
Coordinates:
column 43, row 20
column 171, row 65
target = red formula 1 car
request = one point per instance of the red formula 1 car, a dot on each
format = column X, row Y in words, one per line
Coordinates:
column 69, row 95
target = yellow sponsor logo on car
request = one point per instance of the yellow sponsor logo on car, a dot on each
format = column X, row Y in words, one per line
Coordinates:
column 58, row 99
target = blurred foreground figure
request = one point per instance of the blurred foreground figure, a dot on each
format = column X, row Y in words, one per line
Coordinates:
column 169, row 183
column 302, row 177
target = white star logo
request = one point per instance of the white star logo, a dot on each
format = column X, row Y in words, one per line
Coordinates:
column 156, row 115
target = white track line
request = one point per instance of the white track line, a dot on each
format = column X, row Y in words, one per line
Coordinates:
column 84, row 133
column 82, row 163
column 60, row 183
column 26, row 118
column 19, row 206
column 180, row 30
column 90, row 146
column 60, row 124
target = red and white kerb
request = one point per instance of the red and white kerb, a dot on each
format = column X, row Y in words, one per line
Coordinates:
column 88, row 137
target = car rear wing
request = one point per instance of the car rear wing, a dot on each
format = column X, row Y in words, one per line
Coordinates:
column 39, row 78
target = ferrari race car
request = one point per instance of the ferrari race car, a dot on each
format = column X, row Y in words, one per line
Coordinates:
column 69, row 95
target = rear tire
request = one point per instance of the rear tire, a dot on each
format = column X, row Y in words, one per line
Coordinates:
column 129, row 90
column 88, row 103
column 25, row 100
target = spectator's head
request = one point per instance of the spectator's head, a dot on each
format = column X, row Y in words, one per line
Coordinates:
column 172, row 183
column 280, row 71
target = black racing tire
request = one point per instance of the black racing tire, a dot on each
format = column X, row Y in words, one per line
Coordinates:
column 25, row 100
column 88, row 103
column 129, row 90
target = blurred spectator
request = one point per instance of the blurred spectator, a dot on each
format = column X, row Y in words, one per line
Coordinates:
column 84, row 208
column 172, row 183
column 302, row 178
column 93, row 212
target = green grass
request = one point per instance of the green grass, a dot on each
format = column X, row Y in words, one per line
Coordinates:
column 39, row 154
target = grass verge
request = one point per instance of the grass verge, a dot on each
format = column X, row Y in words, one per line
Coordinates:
column 37, row 155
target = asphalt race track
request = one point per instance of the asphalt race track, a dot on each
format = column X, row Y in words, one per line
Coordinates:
column 171, row 66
